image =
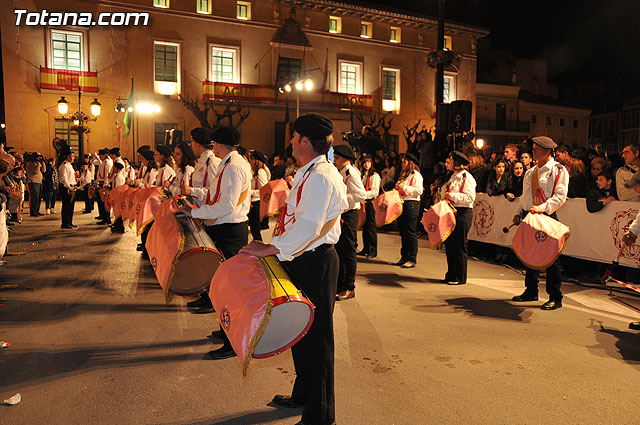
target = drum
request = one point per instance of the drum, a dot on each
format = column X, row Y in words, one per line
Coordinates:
column 439, row 222
column 182, row 254
column 259, row 307
column 91, row 191
column 273, row 196
column 539, row 241
column 103, row 192
column 388, row 207
column 362, row 216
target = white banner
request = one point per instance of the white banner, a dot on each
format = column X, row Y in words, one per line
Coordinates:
column 594, row 236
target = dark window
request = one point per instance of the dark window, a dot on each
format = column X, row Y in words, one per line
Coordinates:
column 159, row 130
column 575, row 123
column 289, row 69
column 501, row 116
column 65, row 133
column 534, row 119
column 548, row 120
column 561, row 122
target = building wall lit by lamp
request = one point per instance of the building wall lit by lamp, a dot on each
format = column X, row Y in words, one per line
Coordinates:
column 166, row 88
column 147, row 108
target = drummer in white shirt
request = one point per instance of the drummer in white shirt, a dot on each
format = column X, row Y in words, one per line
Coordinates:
column 118, row 180
column 163, row 157
column 304, row 241
column 371, row 182
column 410, row 187
column 185, row 160
column 68, row 185
column 105, row 164
column 206, row 166
column 150, row 168
column 460, row 191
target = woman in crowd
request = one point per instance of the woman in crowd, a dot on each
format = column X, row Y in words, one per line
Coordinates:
column 527, row 160
column 388, row 176
column 166, row 165
column 479, row 171
column 497, row 183
column 460, row 191
column 598, row 166
column 577, row 178
column 371, row 182
column 410, row 187
column 258, row 162
column 516, row 177
column 185, row 161
column 50, row 186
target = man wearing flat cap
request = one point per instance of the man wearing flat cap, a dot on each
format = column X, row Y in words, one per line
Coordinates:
column 105, row 165
column 348, row 243
column 304, row 241
column 226, row 208
column 544, row 191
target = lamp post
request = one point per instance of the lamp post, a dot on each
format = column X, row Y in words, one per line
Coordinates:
column 299, row 86
column 79, row 119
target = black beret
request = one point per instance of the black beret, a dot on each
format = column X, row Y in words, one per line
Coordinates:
column 65, row 150
column 143, row 148
column 104, row 151
column 164, row 150
column 201, row 136
column 460, row 157
column 148, row 155
column 544, row 142
column 118, row 165
column 411, row 157
column 344, row 151
column 242, row 150
column 260, row 156
column 114, row 151
column 315, row 126
column 226, row 136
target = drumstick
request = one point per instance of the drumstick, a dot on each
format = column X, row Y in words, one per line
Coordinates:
column 506, row 229
column 616, row 261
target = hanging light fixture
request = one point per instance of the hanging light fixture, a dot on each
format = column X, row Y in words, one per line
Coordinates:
column 63, row 106
column 95, row 107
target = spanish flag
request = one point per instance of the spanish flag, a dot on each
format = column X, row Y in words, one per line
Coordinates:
column 62, row 79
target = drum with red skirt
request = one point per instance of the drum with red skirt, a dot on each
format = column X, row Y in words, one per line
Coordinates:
column 539, row 241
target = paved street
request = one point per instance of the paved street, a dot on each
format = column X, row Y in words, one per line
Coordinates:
column 93, row 342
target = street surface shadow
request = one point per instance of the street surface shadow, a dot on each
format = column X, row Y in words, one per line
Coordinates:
column 249, row 418
column 23, row 366
column 492, row 309
column 371, row 260
column 389, row 279
column 623, row 345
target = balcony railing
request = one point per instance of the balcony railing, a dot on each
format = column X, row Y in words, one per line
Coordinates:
column 62, row 79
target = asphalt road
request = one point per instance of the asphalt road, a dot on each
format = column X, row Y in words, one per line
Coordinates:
column 93, row 342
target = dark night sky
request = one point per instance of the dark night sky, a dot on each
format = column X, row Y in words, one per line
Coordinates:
column 592, row 46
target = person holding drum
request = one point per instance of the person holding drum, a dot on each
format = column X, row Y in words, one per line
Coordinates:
column 185, row 160
column 102, row 180
column 164, row 159
column 631, row 235
column 410, row 187
column 258, row 162
column 544, row 191
column 143, row 168
column 148, row 177
column 371, row 183
column 460, row 192
column 303, row 240
column 226, row 207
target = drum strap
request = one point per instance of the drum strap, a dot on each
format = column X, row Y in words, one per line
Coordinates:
column 284, row 219
column 538, row 195
column 217, row 195
column 206, row 173
column 368, row 180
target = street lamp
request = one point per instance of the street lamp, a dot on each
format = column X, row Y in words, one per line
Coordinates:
column 79, row 118
column 300, row 85
column 479, row 143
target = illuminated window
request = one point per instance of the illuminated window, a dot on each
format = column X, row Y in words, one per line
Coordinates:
column 350, row 80
column 365, row 29
column 448, row 43
column 335, row 24
column 63, row 131
column 66, row 50
column 166, row 68
column 224, row 65
column 394, row 34
column 204, row 6
column 161, row 3
column 390, row 89
column 244, row 10
column 449, row 89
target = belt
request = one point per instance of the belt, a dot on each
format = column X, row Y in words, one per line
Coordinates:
column 322, row 247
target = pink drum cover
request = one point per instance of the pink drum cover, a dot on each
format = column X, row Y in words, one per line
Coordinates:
column 103, row 193
column 539, row 240
column 388, row 207
column 147, row 201
column 362, row 216
column 272, row 197
column 130, row 212
column 240, row 293
column 439, row 222
column 117, row 196
column 165, row 243
column 4, row 233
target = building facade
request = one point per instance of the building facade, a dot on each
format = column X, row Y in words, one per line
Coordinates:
column 225, row 57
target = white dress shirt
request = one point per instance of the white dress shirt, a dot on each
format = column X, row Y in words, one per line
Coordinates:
column 372, row 182
column 114, row 171
column 104, row 170
column 461, row 188
column 412, row 187
column 355, row 190
column 141, row 171
column 235, row 180
column 67, row 175
column 322, row 197
column 181, row 178
column 257, row 182
column 547, row 176
column 120, row 178
column 165, row 174
column 149, row 179
column 86, row 177
column 204, row 175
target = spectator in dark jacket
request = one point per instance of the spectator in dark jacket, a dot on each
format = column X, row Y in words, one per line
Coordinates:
column 50, row 186
column 577, row 178
column 479, row 171
column 603, row 193
column 498, row 181
column 516, row 177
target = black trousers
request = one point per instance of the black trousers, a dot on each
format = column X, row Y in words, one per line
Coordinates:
column 67, row 206
column 35, row 195
column 103, row 213
column 88, row 203
column 316, row 274
column 254, row 221
column 407, row 223
column 49, row 197
column 346, row 248
column 456, row 246
column 369, row 230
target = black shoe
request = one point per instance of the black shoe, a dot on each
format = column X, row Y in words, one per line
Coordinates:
column 362, row 253
column 525, row 297
column 224, row 352
column 66, row 226
column 34, row 215
column 445, row 280
column 408, row 265
column 203, row 310
column 286, row 402
column 400, row 262
column 635, row 326
column 200, row 302
column 551, row 305
column 98, row 218
column 73, row 225
column 140, row 247
column 456, row 283
column 103, row 222
column 217, row 334
column 371, row 255
column 117, row 229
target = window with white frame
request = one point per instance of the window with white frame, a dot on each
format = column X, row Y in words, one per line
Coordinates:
column 390, row 89
column 448, row 42
column 224, row 64
column 203, row 6
column 394, row 34
column 244, row 10
column 449, row 89
column 366, row 29
column 63, row 131
column 350, row 80
column 335, row 24
column 161, row 3
column 67, row 50
column 166, row 73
